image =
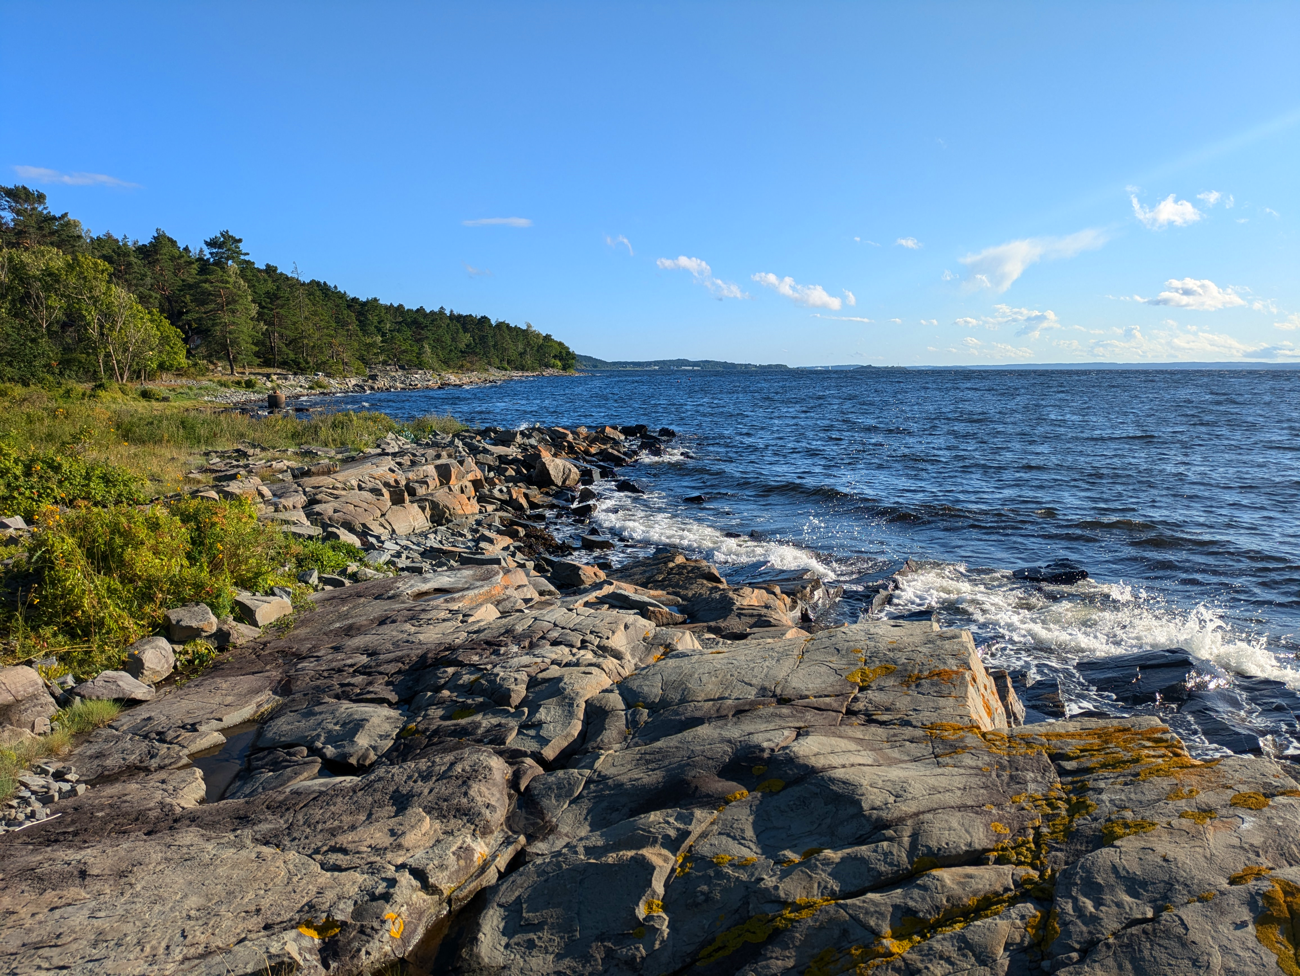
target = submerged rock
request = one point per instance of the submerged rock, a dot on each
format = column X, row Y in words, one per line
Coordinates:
column 1140, row 678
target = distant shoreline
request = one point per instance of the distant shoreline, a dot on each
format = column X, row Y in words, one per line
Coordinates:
column 715, row 366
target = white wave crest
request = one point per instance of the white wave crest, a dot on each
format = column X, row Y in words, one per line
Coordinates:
column 1095, row 620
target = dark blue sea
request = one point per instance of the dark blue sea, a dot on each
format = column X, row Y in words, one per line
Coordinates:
column 1178, row 490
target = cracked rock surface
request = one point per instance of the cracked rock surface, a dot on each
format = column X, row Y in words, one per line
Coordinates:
column 476, row 774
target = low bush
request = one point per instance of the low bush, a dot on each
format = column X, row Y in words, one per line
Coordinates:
column 15, row 759
column 325, row 557
column 430, row 424
column 98, row 579
column 32, row 480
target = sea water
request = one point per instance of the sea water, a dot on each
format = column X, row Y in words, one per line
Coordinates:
column 1178, row 490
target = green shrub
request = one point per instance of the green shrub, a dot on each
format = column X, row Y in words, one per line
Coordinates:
column 98, row 579
column 326, row 557
column 195, row 656
column 430, row 424
column 32, row 480
column 320, row 383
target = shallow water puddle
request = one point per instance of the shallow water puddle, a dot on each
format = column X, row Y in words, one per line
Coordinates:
column 221, row 765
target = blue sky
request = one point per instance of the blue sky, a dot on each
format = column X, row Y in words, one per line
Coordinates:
column 799, row 183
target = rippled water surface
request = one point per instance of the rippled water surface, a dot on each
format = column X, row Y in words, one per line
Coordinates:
column 1177, row 490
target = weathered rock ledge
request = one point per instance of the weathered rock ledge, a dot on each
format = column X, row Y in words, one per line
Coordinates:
column 478, row 776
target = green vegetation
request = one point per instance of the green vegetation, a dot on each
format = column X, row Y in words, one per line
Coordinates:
column 86, row 715
column 79, row 306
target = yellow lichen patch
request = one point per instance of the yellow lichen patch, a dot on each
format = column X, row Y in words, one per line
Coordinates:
column 864, row 676
column 722, row 860
column 759, row 770
column 1278, row 927
column 1116, row 829
column 1018, row 798
column 653, row 906
column 1203, row 896
column 1250, row 801
column 1251, row 872
column 738, row 795
column 998, row 828
column 924, row 864
column 326, row 928
column 938, row 674
column 1200, row 816
column 770, row 786
column 683, row 865
column 1182, row 793
column 1288, row 793
column 811, row 852
column 747, row 861
column 760, row 928
column 461, row 713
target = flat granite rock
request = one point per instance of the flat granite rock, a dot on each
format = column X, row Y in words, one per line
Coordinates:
column 475, row 777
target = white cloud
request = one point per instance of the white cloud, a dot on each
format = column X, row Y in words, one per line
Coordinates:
column 498, row 222
column 850, row 298
column 39, row 174
column 947, row 275
column 1266, row 305
column 997, row 267
column 897, row 321
column 620, row 239
column 972, row 341
column 1211, row 197
column 1243, row 220
column 1270, row 210
column 478, row 272
column 1186, row 343
column 1229, row 203
column 995, row 350
column 1180, row 213
column 1199, row 294
column 813, row 296
column 1031, row 322
column 911, row 243
column 843, row 318
column 1290, row 323
column 703, row 274
column 929, row 321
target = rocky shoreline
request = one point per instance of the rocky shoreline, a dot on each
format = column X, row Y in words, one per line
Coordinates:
column 380, row 379
column 486, row 750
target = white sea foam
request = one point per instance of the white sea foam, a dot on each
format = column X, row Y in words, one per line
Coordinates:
column 671, row 455
column 1091, row 620
column 646, row 519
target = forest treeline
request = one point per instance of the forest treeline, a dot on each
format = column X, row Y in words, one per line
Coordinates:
column 80, row 306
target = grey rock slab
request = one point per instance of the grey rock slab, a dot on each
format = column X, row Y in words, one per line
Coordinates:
column 114, row 685
column 108, row 752
column 354, row 733
column 190, row 622
column 211, row 702
column 555, row 711
column 150, row 660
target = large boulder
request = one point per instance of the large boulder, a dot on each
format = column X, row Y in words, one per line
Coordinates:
column 555, row 473
column 444, row 505
column 116, row 685
column 24, row 701
column 150, row 660
column 355, row 733
column 570, row 576
column 190, row 622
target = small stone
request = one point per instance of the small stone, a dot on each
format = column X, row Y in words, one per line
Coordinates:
column 115, row 685
column 258, row 611
column 150, row 660
column 309, row 577
column 335, row 533
column 189, row 622
column 331, row 582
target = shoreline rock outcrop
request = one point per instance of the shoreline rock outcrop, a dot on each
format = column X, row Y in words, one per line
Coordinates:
column 501, row 759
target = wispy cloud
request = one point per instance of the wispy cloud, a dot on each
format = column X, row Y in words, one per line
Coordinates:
column 703, row 275
column 911, row 243
column 1270, row 210
column 813, row 296
column 1201, row 294
column 1184, row 343
column 948, row 275
column 929, row 321
column 1030, row 322
column 498, row 222
column 477, row 272
column 620, row 239
column 1168, row 211
column 997, row 267
column 995, row 350
column 843, row 318
column 1211, row 197
column 39, row 174
column 850, row 298
column 1290, row 323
